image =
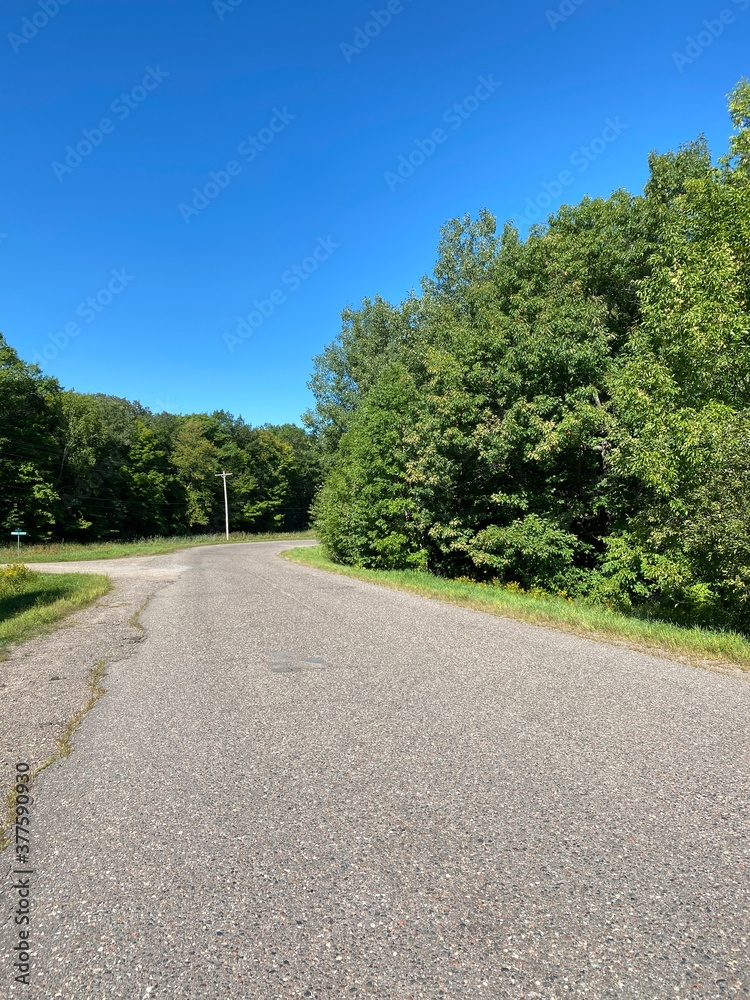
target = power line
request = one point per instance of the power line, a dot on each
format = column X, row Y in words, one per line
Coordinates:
column 118, row 504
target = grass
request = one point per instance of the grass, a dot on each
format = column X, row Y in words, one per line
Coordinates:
column 701, row 647
column 76, row 551
column 32, row 603
column 96, row 688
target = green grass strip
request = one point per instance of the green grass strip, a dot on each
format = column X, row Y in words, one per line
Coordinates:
column 77, row 551
column 35, row 604
column 698, row 646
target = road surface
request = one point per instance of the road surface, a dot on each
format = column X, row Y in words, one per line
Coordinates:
column 304, row 786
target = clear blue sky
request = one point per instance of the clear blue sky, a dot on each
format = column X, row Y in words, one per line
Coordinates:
column 183, row 86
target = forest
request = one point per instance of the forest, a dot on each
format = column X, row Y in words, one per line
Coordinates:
column 82, row 467
column 566, row 414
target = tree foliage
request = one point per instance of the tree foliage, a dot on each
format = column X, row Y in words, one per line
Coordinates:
column 569, row 412
column 89, row 467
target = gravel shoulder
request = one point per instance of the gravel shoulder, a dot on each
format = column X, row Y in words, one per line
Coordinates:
column 44, row 683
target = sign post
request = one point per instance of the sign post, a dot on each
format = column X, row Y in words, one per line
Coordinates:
column 18, row 535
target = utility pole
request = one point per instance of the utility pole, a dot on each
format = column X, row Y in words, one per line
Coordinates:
column 226, row 502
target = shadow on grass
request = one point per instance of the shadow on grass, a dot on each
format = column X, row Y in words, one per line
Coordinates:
column 16, row 603
column 32, row 606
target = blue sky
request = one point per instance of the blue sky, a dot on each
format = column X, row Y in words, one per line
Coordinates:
column 172, row 168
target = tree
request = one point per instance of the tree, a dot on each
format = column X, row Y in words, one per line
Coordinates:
column 28, row 452
column 364, row 514
column 94, row 438
column 348, row 367
column 303, row 475
column 195, row 461
column 571, row 412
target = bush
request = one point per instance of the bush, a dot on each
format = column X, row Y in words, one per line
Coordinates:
column 533, row 552
column 13, row 578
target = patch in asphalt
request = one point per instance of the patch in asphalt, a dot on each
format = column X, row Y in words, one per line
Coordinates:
column 287, row 663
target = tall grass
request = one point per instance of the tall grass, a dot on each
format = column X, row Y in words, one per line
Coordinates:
column 76, row 551
column 699, row 646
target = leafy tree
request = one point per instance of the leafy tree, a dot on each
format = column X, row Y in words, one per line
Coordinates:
column 90, row 466
column 739, row 143
column 94, row 438
column 364, row 513
column 29, row 498
column 151, row 502
column 194, row 458
column 303, row 475
column 681, row 393
column 570, row 412
column 269, row 461
column 349, row 367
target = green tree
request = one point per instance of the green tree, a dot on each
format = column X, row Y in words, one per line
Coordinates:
column 194, row 458
column 149, row 476
column 303, row 475
column 364, row 514
column 348, row 368
column 570, row 412
column 681, row 394
column 29, row 454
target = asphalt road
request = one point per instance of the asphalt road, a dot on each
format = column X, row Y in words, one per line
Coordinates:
column 300, row 785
